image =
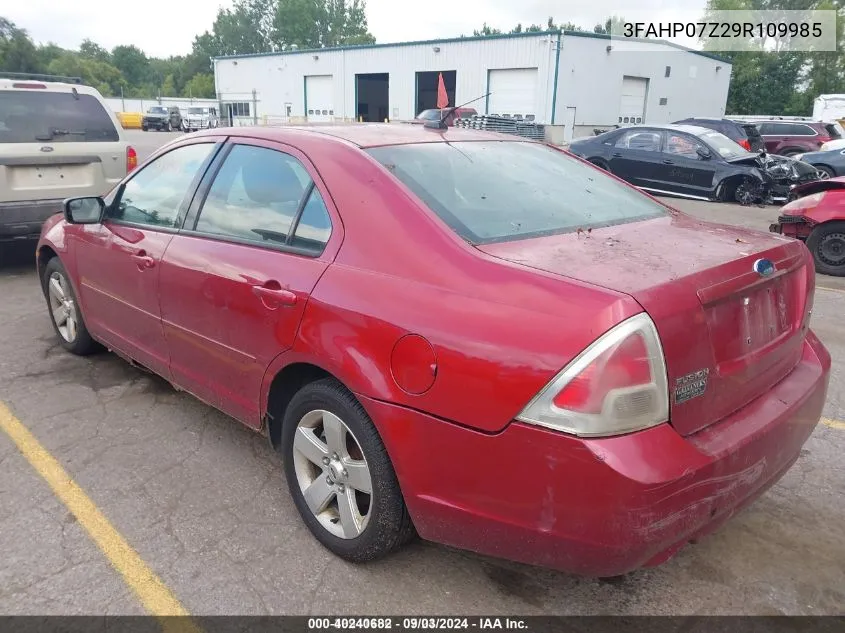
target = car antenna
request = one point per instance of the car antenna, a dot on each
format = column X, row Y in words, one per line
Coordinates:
column 441, row 124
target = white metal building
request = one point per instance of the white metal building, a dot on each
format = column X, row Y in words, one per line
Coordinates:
column 577, row 80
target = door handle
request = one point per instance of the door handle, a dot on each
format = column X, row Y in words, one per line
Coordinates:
column 274, row 295
column 143, row 261
column 616, row 154
column 668, row 162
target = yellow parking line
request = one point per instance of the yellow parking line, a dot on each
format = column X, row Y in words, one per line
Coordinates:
column 834, row 424
column 157, row 599
column 839, row 290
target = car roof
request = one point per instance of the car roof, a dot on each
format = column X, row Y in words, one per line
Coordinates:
column 368, row 134
column 677, row 127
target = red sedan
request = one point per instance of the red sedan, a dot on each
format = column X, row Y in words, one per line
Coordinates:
column 816, row 215
column 476, row 338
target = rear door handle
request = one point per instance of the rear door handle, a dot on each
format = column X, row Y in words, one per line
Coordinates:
column 273, row 297
column 668, row 162
column 143, row 261
column 616, row 154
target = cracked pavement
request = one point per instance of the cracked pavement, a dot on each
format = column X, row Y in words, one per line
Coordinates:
column 204, row 502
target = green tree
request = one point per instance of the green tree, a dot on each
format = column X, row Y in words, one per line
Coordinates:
column 132, row 62
column 320, row 23
column 201, row 86
column 17, row 52
column 92, row 50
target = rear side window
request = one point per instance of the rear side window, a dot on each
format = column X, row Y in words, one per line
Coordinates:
column 645, row 141
column 257, row 197
column 500, row 190
column 38, row 116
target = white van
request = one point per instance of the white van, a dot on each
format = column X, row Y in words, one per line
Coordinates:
column 200, row 118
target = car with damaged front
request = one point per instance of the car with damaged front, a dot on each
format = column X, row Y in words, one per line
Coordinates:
column 816, row 215
column 693, row 162
column 530, row 358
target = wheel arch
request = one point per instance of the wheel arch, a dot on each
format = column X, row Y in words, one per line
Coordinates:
column 728, row 185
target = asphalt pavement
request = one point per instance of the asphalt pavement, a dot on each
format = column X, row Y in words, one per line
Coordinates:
column 201, row 502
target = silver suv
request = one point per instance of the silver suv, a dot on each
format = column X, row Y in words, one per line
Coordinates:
column 57, row 140
column 200, row 118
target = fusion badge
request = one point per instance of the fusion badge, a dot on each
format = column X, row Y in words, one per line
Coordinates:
column 691, row 386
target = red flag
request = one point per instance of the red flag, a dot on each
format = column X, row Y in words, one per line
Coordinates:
column 442, row 97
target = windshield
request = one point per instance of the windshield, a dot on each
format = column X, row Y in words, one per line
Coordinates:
column 722, row 144
column 157, row 110
column 429, row 115
column 29, row 117
column 197, row 110
column 500, row 190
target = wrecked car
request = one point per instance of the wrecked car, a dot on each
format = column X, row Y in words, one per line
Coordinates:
column 816, row 215
column 694, row 162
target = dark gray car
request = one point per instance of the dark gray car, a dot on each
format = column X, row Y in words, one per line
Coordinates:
column 831, row 163
column 162, row 118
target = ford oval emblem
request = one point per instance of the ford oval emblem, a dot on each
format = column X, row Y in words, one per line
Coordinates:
column 764, row 267
column 46, row 148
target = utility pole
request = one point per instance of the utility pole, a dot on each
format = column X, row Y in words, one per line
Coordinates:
column 254, row 109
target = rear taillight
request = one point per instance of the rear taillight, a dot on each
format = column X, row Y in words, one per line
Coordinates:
column 29, row 86
column 746, row 144
column 131, row 159
column 823, row 139
column 617, row 385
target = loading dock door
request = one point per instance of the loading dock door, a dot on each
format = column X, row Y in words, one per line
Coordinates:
column 319, row 98
column 633, row 100
column 513, row 91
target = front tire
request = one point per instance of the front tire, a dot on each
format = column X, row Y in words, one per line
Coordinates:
column 340, row 476
column 64, row 310
column 827, row 244
column 169, row 127
column 825, row 172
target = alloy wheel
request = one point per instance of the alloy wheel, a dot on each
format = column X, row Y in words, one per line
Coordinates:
column 63, row 307
column 332, row 474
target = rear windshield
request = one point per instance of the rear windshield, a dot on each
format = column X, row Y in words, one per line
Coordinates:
column 429, row 115
column 751, row 131
column 833, row 130
column 31, row 116
column 500, row 191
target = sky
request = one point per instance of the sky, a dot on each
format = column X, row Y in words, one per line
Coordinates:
column 162, row 29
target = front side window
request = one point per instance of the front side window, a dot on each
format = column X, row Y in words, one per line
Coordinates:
column 506, row 190
column 642, row 140
column 255, row 196
column 683, row 145
column 154, row 196
column 723, row 145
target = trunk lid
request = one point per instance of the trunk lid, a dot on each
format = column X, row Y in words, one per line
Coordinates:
column 729, row 333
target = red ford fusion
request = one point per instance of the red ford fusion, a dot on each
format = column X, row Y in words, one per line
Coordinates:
column 474, row 338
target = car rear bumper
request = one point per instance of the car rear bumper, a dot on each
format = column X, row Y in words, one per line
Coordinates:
column 23, row 220
column 597, row 507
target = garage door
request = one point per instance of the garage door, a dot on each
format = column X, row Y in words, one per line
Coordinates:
column 632, row 102
column 319, row 98
column 513, row 91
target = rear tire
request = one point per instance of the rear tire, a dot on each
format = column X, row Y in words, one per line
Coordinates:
column 827, row 245
column 792, row 152
column 332, row 453
column 65, row 313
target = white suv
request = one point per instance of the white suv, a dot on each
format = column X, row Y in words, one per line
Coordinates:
column 57, row 140
column 200, row 118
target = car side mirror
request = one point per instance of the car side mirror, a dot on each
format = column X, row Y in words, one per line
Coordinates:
column 703, row 153
column 84, row 210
